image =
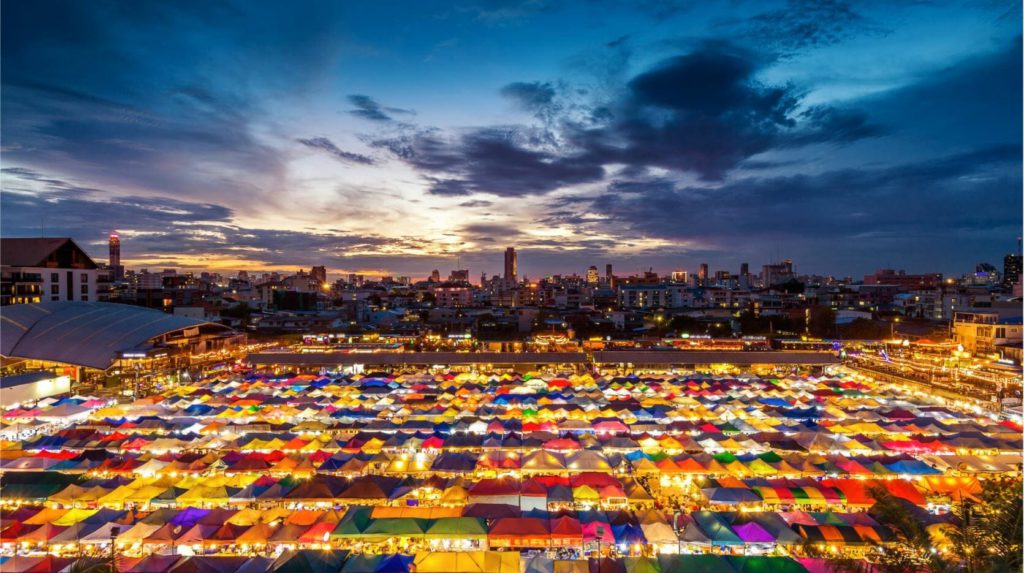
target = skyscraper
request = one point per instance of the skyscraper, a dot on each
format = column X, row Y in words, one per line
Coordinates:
column 511, row 265
column 744, row 269
column 702, row 274
column 592, row 276
column 1012, row 268
column 116, row 270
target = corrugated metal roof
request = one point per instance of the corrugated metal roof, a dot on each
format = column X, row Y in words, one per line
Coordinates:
column 83, row 333
column 418, row 358
column 712, row 357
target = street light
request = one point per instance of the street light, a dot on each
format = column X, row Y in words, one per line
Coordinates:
column 114, row 531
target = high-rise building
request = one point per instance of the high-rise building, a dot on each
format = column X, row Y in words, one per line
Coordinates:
column 435, row 276
column 459, row 276
column 744, row 269
column 680, row 276
column 702, row 274
column 1013, row 265
column 592, row 276
column 778, row 273
column 511, row 265
column 608, row 273
column 319, row 273
column 116, row 270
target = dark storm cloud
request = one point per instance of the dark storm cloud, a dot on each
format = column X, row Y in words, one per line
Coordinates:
column 974, row 194
column 977, row 99
column 476, row 203
column 324, row 144
column 702, row 112
column 490, row 160
column 705, row 112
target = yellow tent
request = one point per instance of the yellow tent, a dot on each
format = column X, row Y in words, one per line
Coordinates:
column 74, row 516
column 467, row 562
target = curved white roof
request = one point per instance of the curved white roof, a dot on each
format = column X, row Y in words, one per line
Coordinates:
column 87, row 334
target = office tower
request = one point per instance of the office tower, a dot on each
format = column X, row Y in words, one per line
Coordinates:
column 744, row 269
column 592, row 276
column 702, row 274
column 1013, row 266
column 435, row 276
column 511, row 265
column 116, row 270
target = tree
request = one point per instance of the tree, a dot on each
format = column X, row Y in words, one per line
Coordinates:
column 985, row 537
column 822, row 321
column 864, row 329
column 988, row 536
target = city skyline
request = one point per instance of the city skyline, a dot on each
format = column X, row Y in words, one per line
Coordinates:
column 705, row 271
column 847, row 137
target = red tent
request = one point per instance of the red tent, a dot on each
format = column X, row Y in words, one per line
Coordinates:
column 519, row 532
column 566, row 532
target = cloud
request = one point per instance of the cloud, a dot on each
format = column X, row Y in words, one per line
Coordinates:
column 494, row 160
column 83, row 98
column 843, row 211
column 706, row 112
column 702, row 112
column 531, row 96
column 505, row 12
column 324, row 144
column 368, row 108
column 179, row 232
column 476, row 203
column 807, row 24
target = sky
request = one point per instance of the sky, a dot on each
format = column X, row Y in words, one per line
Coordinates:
column 401, row 137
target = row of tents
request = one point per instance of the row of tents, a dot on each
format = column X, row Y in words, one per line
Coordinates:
column 340, row 561
column 487, row 525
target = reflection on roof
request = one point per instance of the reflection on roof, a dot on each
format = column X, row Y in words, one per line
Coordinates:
column 87, row 334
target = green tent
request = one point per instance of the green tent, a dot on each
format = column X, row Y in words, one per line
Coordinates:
column 457, row 528
column 695, row 563
column 389, row 527
column 760, row 564
column 355, row 522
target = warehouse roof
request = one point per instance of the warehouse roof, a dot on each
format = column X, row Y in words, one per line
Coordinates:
column 737, row 357
column 87, row 334
column 417, row 358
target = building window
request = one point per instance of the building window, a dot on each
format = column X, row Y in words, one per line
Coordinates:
column 85, row 289
column 85, row 297
column 54, row 277
column 85, row 277
column 54, row 298
column 54, row 289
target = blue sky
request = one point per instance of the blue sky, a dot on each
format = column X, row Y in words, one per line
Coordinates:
column 400, row 137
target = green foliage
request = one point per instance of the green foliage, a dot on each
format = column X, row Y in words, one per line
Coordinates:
column 985, row 539
column 864, row 329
